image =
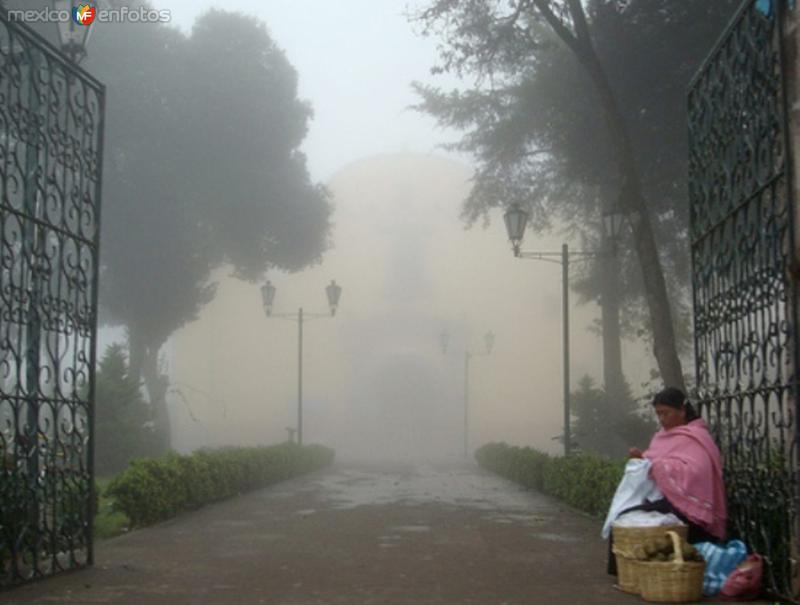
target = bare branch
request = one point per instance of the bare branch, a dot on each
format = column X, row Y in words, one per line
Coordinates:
column 561, row 30
column 579, row 21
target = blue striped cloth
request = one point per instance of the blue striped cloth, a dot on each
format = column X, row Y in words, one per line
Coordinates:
column 721, row 560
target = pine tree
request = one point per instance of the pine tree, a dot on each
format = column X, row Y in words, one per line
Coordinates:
column 123, row 423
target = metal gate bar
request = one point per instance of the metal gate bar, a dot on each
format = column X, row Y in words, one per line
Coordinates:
column 51, row 133
column 741, row 208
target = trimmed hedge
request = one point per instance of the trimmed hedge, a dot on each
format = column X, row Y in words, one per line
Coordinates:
column 585, row 481
column 152, row 490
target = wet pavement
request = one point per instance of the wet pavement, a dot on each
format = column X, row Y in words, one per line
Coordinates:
column 421, row 533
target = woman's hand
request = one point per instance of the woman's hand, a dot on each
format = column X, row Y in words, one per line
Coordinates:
column 634, row 452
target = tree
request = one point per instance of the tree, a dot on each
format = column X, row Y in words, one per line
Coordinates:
column 578, row 109
column 123, row 423
column 202, row 170
column 608, row 426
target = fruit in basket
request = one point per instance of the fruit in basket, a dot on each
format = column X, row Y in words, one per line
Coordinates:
column 639, row 552
column 656, row 546
column 663, row 545
column 661, row 549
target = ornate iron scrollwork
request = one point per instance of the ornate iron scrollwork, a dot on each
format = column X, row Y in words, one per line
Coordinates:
column 51, row 127
column 745, row 307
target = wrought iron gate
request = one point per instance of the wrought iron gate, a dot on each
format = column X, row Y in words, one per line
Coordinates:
column 51, row 131
column 740, row 188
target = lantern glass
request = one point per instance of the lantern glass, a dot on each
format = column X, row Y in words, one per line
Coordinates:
column 72, row 35
column 516, row 220
column 612, row 223
column 444, row 340
column 333, row 291
column 268, row 297
column 489, row 340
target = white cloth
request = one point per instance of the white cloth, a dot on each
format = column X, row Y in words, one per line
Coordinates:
column 646, row 518
column 634, row 489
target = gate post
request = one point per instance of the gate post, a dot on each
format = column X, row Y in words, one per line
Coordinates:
column 790, row 39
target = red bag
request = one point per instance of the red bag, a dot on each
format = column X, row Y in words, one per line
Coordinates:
column 744, row 582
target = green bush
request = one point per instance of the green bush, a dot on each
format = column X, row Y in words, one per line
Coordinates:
column 152, row 490
column 608, row 426
column 122, row 418
column 585, row 481
column 108, row 522
column 764, row 523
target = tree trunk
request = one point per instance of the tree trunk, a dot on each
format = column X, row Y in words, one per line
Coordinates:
column 664, row 347
column 143, row 364
column 136, row 352
column 157, row 385
column 633, row 203
column 613, row 377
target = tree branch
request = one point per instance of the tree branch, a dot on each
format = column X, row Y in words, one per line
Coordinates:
column 558, row 27
column 579, row 21
column 535, row 152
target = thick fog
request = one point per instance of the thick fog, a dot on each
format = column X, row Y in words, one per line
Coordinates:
column 376, row 383
column 355, row 61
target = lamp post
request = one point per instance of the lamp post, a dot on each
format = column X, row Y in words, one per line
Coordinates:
column 73, row 35
column 333, row 291
column 516, row 219
column 488, row 339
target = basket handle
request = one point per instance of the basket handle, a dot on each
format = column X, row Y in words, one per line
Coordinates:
column 676, row 546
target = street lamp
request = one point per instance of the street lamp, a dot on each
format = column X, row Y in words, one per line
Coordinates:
column 612, row 223
column 333, row 291
column 488, row 339
column 268, row 297
column 516, row 220
column 73, row 35
column 613, row 378
column 444, row 341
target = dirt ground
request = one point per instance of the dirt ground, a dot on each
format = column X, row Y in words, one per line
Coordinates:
column 419, row 534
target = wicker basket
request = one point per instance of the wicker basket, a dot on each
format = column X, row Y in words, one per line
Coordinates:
column 625, row 539
column 675, row 581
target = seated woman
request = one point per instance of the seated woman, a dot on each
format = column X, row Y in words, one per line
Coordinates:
column 686, row 467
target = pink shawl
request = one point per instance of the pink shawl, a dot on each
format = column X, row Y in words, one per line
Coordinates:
column 687, row 468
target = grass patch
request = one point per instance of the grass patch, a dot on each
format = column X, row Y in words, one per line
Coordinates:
column 108, row 522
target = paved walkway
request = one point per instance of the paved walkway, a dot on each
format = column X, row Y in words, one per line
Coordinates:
column 354, row 535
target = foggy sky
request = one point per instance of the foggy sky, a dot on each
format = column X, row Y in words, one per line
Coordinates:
column 356, row 60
